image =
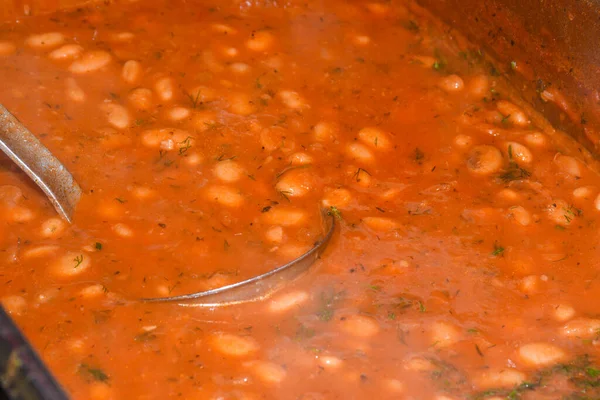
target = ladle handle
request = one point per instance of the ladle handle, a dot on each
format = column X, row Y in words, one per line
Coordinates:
column 38, row 162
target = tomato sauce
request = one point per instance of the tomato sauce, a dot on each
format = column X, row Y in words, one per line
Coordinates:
column 208, row 136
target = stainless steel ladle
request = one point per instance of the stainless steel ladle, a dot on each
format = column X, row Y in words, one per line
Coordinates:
column 64, row 193
column 35, row 160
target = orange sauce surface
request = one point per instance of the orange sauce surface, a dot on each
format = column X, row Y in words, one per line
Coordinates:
column 207, row 136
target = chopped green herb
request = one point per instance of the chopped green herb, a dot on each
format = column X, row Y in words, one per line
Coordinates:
column 514, row 173
column 285, row 193
column 510, row 153
column 592, row 372
column 411, row 26
column 358, row 172
column 325, row 314
column 419, row 155
column 78, row 260
column 422, row 307
column 375, row 288
column 120, row 200
column 185, row 145
column 513, row 65
column 498, row 250
column 478, row 350
column 333, row 210
column 92, row 373
column 145, row 336
column 195, row 100
column 98, row 246
column 304, row 332
column 391, row 315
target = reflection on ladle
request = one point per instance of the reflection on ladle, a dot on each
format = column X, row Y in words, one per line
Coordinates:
column 64, row 193
column 261, row 286
column 39, row 163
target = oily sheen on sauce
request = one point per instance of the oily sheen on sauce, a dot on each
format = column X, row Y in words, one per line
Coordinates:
column 207, row 137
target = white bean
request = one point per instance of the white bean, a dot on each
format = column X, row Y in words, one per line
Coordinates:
column 71, row 264
column 563, row 312
column 325, row 132
column 40, row 251
column 296, row 183
column 268, row 372
column 584, row 192
column 154, row 137
column 14, row 304
column 117, row 115
column 241, row 104
column 451, row 83
column 463, row 141
column 274, row 234
column 541, row 354
column 337, row 197
column 122, row 230
column 92, row 291
column 228, row 171
column 122, row 36
column 520, row 215
column 561, row 212
column 292, row 100
column 10, row 195
column 287, row 301
column 375, row 138
column 444, row 334
column 381, row 223
column 179, row 113
column 225, row 196
column 141, row 98
column 222, row 28
column 330, row 362
column 240, row 68
column 132, row 71
column 512, row 113
column 584, row 328
column 536, row 139
column 66, row 52
column 503, row 378
column 485, row 160
column 45, row 40
column 164, row 88
column 285, row 216
column 74, row 92
column 360, row 152
column 518, row 152
column 362, row 40
column 479, row 86
column 53, row 227
column 360, row 326
column 20, row 214
column 301, row 159
column 90, row 62
column 230, row 51
column 260, row 41
column 568, row 165
column 233, row 345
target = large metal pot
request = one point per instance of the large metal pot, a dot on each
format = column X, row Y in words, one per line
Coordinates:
column 553, row 40
column 556, row 43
